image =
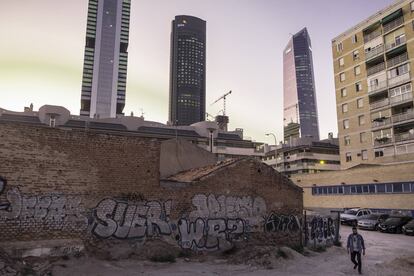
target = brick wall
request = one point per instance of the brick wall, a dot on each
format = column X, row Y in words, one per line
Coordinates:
column 59, row 184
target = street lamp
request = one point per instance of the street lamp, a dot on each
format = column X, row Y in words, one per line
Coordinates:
column 274, row 136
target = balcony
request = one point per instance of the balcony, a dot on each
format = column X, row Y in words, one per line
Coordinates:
column 381, row 122
column 399, row 79
column 402, row 98
column 397, row 60
column 375, row 69
column 400, row 137
column 406, row 116
column 372, row 35
column 378, row 104
column 374, row 52
column 380, row 86
column 393, row 24
column 398, row 42
column 380, row 141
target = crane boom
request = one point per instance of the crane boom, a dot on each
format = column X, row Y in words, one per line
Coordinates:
column 224, row 101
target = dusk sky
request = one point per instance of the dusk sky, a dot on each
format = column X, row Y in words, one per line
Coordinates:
column 42, row 44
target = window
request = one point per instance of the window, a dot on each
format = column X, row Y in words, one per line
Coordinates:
column 357, row 70
column 363, row 137
column 364, row 155
column 347, row 140
column 361, row 120
column 341, row 61
column 379, row 153
column 346, row 124
column 342, row 77
column 400, row 70
column 360, row 103
column 406, row 188
column 344, row 108
column 388, row 188
column 358, row 86
column 354, row 39
column 380, row 188
column 343, row 92
column 355, row 54
column 412, row 6
column 397, row 188
column 348, row 157
column 339, row 47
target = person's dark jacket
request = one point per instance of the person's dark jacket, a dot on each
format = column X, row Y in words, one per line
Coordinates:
column 360, row 243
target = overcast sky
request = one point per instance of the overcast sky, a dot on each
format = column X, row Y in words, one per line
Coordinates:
column 42, row 44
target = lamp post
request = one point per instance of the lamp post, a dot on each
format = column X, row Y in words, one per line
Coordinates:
column 274, row 136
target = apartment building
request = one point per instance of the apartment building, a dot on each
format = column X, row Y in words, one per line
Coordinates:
column 373, row 86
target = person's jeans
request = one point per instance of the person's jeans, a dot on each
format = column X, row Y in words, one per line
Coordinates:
column 358, row 256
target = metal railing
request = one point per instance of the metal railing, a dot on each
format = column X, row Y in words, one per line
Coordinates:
column 399, row 79
column 393, row 24
column 382, row 85
column 395, row 44
column 404, row 136
column 403, row 116
column 397, row 60
column 372, row 35
column 401, row 98
column 379, row 141
column 375, row 69
column 379, row 104
column 374, row 52
column 384, row 122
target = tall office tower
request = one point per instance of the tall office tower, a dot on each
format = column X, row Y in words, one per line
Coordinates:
column 106, row 57
column 299, row 99
column 373, row 86
column 187, row 71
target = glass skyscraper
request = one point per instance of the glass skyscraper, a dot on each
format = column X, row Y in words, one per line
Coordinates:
column 106, row 57
column 187, row 101
column 300, row 110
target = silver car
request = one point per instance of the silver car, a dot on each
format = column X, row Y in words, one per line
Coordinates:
column 371, row 221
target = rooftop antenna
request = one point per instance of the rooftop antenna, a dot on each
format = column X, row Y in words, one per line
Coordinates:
column 142, row 112
column 224, row 101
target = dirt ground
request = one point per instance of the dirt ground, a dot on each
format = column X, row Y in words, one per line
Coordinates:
column 386, row 254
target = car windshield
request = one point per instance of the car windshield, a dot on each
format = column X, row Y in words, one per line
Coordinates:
column 393, row 220
column 350, row 212
column 372, row 216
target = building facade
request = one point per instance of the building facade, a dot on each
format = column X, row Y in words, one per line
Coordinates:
column 304, row 155
column 106, row 58
column 373, row 86
column 187, row 99
column 382, row 188
column 299, row 99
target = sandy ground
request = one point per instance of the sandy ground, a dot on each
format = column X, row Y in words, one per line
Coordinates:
column 386, row 254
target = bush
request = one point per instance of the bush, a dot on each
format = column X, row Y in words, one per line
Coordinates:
column 282, row 254
column 169, row 258
column 184, row 254
column 337, row 243
column 298, row 248
column 319, row 249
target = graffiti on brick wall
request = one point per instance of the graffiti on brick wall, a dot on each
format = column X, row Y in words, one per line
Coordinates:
column 122, row 220
column 282, row 223
column 321, row 229
column 216, row 222
column 55, row 211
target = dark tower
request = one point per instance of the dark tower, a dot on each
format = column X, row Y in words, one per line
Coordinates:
column 187, row 104
column 300, row 111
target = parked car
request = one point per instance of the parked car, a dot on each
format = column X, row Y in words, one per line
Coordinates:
column 351, row 216
column 371, row 221
column 393, row 224
column 408, row 229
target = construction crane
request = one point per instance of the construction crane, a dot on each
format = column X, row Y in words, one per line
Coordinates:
column 224, row 101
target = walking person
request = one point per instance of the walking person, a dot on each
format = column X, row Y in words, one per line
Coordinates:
column 355, row 246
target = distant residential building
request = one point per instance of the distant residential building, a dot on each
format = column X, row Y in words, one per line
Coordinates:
column 304, row 155
column 207, row 135
column 381, row 188
column 187, row 104
column 373, row 82
column 106, row 57
column 299, row 99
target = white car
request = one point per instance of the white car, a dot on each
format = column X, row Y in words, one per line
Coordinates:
column 351, row 216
